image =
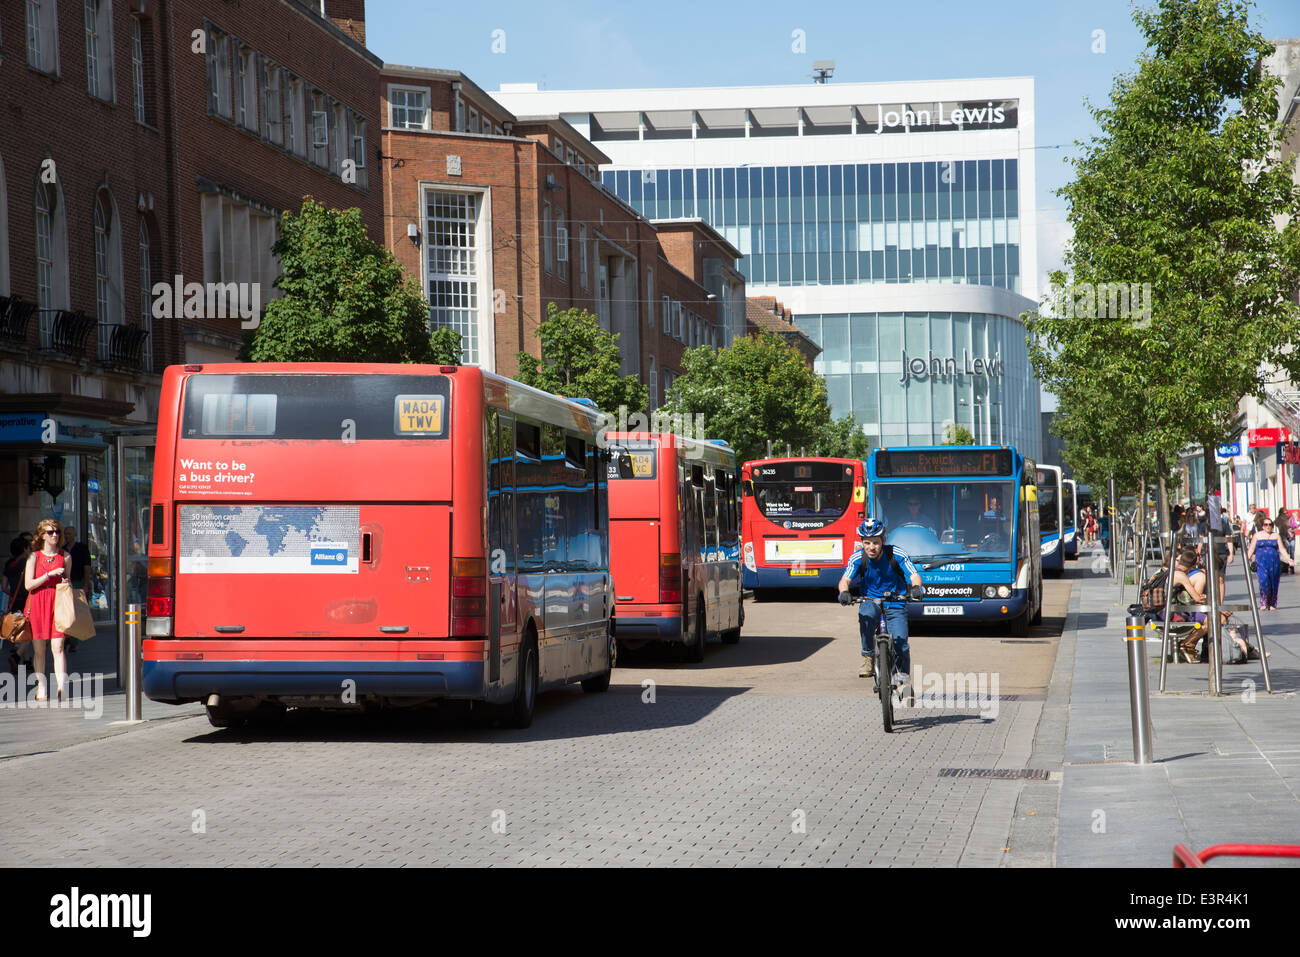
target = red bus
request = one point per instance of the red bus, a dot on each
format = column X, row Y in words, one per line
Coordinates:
column 675, row 541
column 800, row 520
column 343, row 535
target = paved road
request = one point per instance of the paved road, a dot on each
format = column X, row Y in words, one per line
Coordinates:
column 769, row 752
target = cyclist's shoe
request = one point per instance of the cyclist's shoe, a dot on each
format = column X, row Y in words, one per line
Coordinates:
column 868, row 667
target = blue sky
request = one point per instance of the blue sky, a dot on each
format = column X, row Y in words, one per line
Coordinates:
column 669, row 43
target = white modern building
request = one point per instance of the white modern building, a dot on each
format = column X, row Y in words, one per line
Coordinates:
column 895, row 220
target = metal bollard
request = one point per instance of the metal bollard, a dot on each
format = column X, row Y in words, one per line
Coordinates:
column 1139, row 700
column 133, row 683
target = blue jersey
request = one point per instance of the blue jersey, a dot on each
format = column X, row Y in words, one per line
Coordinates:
column 874, row 578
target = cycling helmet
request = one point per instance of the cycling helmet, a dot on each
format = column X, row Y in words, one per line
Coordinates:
column 871, row 528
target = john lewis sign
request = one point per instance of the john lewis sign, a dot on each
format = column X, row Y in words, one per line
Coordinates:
column 945, row 367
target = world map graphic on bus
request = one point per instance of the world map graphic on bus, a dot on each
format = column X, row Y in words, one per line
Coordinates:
column 261, row 539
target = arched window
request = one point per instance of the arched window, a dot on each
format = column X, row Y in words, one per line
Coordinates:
column 51, row 255
column 108, row 269
column 146, row 292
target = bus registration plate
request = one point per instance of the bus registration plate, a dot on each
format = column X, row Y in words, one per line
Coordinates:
column 943, row 610
column 419, row 414
column 803, row 571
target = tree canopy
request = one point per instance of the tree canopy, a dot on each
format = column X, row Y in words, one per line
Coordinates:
column 581, row 360
column 1178, row 194
column 345, row 299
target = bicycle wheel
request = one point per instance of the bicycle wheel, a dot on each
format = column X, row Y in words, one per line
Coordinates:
column 885, row 678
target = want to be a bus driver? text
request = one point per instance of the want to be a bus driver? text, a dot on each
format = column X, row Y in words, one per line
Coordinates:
column 216, row 472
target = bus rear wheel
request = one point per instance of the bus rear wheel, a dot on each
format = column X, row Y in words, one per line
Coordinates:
column 519, row 713
column 695, row 650
column 601, row 682
column 732, row 635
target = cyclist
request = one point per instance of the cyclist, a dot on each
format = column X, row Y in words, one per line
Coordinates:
column 874, row 569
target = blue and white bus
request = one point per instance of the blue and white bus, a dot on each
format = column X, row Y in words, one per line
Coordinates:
column 1070, row 518
column 967, row 516
column 1051, row 519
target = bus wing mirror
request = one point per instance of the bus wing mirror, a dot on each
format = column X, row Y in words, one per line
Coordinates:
column 625, row 470
column 859, row 493
column 747, row 487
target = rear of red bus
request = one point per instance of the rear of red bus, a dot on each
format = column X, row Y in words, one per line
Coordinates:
column 799, row 520
column 304, row 546
column 645, row 540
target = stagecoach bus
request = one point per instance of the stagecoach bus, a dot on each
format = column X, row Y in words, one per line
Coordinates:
column 329, row 535
column 799, row 521
column 967, row 516
column 1070, row 518
column 1051, row 519
column 674, row 525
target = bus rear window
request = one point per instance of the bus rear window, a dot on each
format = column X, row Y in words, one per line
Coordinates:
column 351, row 407
column 643, row 456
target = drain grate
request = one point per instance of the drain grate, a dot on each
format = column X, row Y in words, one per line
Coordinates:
column 1025, row 641
column 1031, row 774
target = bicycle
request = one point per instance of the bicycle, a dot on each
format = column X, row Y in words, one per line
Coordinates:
column 885, row 663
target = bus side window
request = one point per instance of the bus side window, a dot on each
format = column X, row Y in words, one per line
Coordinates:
column 505, row 478
column 529, row 473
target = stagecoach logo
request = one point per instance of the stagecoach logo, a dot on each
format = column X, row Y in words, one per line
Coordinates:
column 947, row 367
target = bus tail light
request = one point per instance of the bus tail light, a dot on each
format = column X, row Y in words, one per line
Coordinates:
column 159, row 598
column 670, row 577
column 749, row 557
column 468, row 597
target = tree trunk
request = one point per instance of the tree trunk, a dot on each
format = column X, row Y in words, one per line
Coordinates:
column 1211, row 470
column 1164, row 496
column 1140, row 511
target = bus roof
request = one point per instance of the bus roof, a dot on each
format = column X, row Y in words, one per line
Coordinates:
column 704, row 448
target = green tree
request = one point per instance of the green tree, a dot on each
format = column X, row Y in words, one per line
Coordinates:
column 756, row 389
column 954, row 433
column 841, row 439
column 345, row 299
column 1180, row 190
column 581, row 360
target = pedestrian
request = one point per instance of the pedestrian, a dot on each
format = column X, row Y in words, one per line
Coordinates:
column 16, row 596
column 1267, row 551
column 79, row 572
column 1282, row 525
column 45, row 569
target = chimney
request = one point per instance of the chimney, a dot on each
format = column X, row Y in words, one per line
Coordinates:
column 349, row 16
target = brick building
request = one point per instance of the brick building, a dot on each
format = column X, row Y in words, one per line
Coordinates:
column 142, row 141
column 765, row 314
column 498, row 215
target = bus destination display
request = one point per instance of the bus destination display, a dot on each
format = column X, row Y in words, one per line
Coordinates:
column 936, row 463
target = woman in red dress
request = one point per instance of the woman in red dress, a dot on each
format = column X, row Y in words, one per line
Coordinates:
column 45, row 569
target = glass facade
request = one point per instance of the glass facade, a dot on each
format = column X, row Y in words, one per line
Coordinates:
column 905, row 375
column 949, row 221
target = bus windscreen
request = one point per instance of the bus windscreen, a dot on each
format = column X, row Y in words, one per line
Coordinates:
column 803, row 493
column 350, row 407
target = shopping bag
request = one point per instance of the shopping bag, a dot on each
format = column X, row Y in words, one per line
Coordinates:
column 71, row 613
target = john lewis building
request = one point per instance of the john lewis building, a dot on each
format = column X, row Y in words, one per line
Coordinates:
column 896, row 220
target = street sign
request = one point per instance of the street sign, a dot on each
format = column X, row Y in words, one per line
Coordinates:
column 1244, row 473
column 1229, row 451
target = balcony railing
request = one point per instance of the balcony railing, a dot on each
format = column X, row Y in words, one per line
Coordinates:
column 65, row 331
column 122, row 345
column 15, row 314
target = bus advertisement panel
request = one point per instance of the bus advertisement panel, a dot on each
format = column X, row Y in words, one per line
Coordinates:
column 799, row 520
column 304, row 550
column 1051, row 519
column 968, row 519
column 1070, row 518
column 674, row 541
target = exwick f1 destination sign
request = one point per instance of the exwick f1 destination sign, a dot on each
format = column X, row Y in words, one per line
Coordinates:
column 898, row 463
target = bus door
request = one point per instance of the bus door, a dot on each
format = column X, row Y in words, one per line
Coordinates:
column 503, row 602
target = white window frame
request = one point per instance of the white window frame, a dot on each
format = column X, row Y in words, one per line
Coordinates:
column 338, row 131
column 666, row 315
column 320, row 123
column 654, row 385
column 295, row 122
column 43, row 36
column 247, row 69
column 486, row 125
column 146, row 291
column 272, row 87
column 357, row 147
column 406, row 108
column 650, row 296
column 219, row 72
column 583, row 280
column 485, row 333
column 548, row 257
column 97, row 18
column 51, row 256
column 473, row 120
column 137, row 70
column 561, row 246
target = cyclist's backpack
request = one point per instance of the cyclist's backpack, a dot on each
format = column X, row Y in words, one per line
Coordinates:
column 889, row 553
column 1152, row 595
